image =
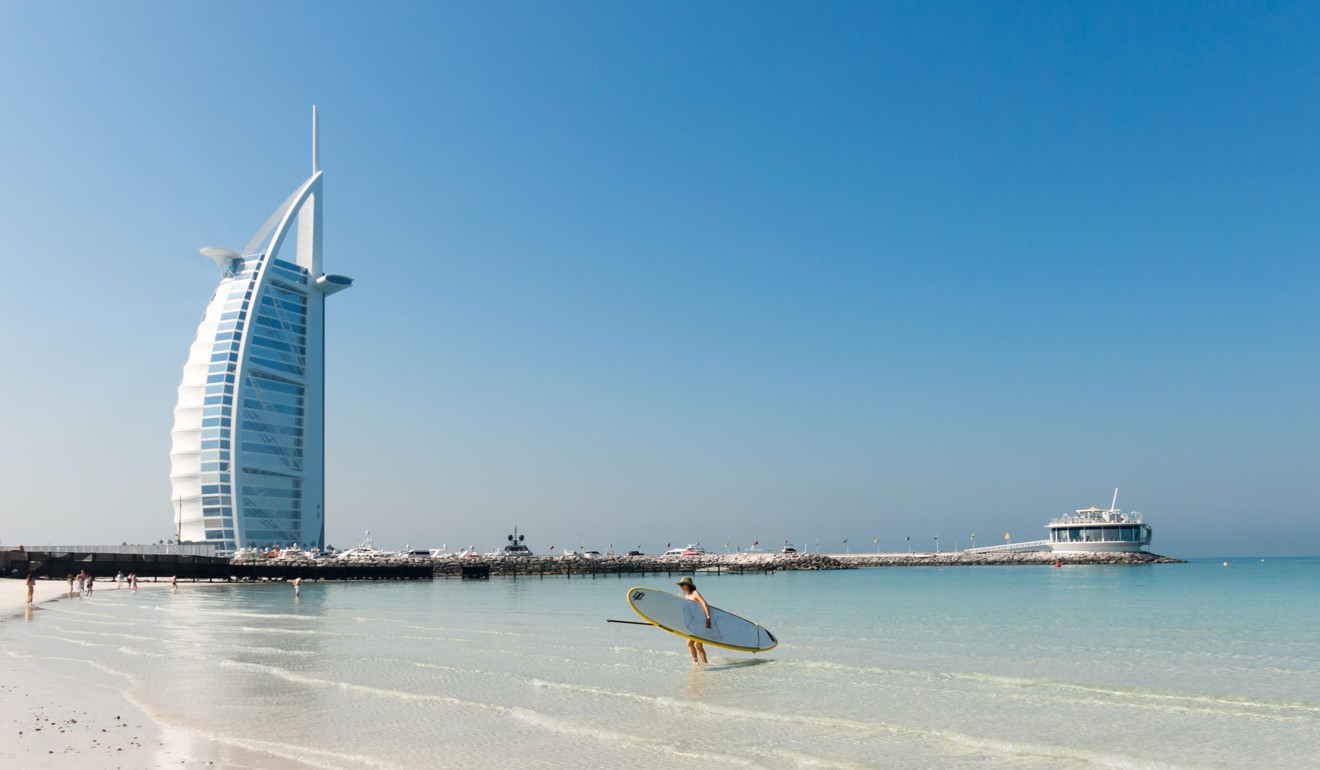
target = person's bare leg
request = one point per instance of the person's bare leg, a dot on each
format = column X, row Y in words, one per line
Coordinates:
column 701, row 649
column 692, row 649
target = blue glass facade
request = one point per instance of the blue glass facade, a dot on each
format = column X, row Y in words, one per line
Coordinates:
column 254, row 407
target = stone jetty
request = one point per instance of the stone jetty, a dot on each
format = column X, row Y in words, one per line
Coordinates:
column 735, row 564
column 964, row 559
column 738, row 563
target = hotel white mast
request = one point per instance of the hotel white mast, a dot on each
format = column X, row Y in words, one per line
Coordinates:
column 248, row 454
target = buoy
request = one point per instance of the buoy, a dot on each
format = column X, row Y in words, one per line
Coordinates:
column 1057, row 563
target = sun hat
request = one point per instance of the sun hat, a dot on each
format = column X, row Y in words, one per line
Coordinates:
column 686, row 581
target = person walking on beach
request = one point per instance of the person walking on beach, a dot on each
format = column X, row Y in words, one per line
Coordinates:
column 132, row 581
column 31, row 586
column 82, row 582
column 693, row 616
column 174, row 583
column 119, row 578
column 297, row 587
column 90, row 579
column 70, row 585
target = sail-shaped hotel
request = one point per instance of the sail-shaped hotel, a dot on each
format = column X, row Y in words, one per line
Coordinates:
column 247, row 462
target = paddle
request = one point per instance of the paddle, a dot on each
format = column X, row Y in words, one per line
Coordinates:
column 629, row 622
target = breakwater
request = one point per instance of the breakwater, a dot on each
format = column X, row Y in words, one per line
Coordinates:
column 605, row 566
column 187, row 567
column 1002, row 558
column 734, row 564
column 558, row 566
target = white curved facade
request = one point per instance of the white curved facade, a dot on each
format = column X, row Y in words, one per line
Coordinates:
column 247, row 462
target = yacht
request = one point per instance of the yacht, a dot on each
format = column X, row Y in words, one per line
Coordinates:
column 1093, row 530
column 514, row 547
column 692, row 549
column 293, row 553
column 364, row 551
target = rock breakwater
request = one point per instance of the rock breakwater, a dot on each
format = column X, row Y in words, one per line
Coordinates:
column 637, row 565
column 738, row 563
column 963, row 559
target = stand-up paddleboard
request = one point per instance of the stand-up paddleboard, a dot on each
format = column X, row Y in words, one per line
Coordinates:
column 685, row 618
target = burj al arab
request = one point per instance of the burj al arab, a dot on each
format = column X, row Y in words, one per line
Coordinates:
column 247, row 460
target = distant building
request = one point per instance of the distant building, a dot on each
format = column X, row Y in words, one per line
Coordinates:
column 247, row 463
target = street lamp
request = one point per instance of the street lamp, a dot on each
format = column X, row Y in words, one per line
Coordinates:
column 937, row 544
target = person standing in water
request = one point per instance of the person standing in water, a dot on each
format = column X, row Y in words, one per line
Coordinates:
column 31, row 586
column 297, row 587
column 692, row 617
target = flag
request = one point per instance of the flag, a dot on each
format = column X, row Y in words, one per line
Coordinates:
column 552, row 548
column 845, row 540
column 876, row 540
column 758, row 542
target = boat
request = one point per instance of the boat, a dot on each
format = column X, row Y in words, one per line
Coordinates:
column 293, row 553
column 1095, row 530
column 364, row 551
column 514, row 547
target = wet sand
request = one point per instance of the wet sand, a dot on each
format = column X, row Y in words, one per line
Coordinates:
column 65, row 713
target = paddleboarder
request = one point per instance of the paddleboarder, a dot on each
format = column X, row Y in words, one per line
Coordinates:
column 692, row 616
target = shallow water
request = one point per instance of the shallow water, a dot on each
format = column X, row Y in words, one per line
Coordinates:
column 1195, row 665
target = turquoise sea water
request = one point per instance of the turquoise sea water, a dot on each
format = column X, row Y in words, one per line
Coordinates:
column 1195, row 665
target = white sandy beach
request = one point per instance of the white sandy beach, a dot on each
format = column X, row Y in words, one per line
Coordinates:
column 77, row 716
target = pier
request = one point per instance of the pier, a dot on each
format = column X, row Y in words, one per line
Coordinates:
column 611, row 566
column 1001, row 557
column 153, row 566
column 619, row 566
column 751, row 563
column 104, row 566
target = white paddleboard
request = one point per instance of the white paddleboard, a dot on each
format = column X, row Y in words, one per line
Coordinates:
column 685, row 618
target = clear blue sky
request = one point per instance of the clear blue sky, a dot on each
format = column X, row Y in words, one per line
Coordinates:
column 663, row 272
